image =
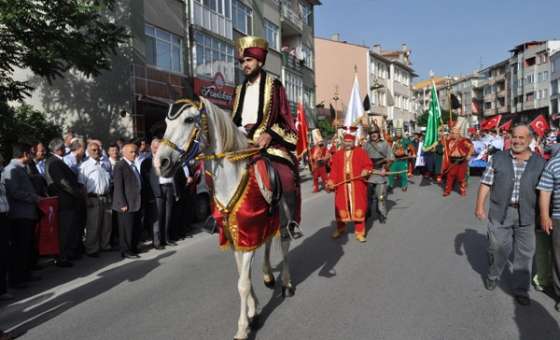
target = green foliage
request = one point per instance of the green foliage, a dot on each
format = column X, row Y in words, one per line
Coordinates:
column 52, row 37
column 326, row 128
column 422, row 120
column 24, row 124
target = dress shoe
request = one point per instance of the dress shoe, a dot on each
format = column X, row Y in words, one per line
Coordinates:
column 404, row 189
column 490, row 284
column 382, row 219
column 63, row 263
column 337, row 233
column 159, row 247
column 361, row 238
column 95, row 255
column 171, row 243
column 445, row 194
column 129, row 255
column 523, row 300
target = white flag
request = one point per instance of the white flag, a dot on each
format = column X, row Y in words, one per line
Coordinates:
column 355, row 107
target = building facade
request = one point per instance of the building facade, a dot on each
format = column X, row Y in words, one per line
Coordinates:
column 496, row 93
column 555, row 85
column 530, row 69
column 384, row 76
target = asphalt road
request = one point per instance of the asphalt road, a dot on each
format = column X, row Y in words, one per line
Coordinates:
column 419, row 276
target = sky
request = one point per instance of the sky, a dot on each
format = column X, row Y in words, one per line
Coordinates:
column 452, row 37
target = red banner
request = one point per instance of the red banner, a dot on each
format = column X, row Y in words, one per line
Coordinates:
column 302, row 131
column 47, row 228
column 491, row 123
column 215, row 90
column 540, row 125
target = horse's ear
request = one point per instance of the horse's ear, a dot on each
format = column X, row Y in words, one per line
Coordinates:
column 174, row 111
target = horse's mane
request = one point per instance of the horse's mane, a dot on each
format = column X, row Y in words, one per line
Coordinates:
column 231, row 139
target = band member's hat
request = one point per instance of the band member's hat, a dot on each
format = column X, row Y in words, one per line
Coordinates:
column 251, row 46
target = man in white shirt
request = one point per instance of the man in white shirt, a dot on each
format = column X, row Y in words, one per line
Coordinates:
column 95, row 175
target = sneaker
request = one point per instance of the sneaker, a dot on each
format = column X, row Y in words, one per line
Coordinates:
column 361, row 238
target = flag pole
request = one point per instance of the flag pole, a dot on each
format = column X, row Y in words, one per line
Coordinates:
column 449, row 101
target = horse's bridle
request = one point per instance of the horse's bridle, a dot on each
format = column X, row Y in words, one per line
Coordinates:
column 191, row 148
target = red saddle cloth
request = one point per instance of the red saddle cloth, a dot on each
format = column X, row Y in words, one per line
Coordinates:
column 245, row 223
column 47, row 228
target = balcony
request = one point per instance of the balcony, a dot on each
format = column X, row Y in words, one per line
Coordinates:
column 211, row 21
column 292, row 62
column 292, row 19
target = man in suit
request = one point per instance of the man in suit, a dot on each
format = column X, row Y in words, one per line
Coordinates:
column 63, row 183
column 127, row 184
column 159, row 195
column 23, row 213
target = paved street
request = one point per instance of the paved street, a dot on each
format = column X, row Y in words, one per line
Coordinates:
column 418, row 277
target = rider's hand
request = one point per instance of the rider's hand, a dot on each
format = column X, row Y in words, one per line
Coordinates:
column 264, row 140
column 365, row 173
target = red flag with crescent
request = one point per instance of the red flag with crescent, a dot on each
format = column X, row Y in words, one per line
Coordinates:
column 302, row 130
column 491, row 123
column 540, row 125
column 506, row 126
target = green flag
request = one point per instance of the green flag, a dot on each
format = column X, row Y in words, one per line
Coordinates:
column 434, row 121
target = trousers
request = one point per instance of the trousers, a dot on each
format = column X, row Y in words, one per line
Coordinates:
column 503, row 238
column 457, row 172
column 319, row 172
column 556, row 258
column 98, row 224
column 399, row 165
column 359, row 227
column 377, row 195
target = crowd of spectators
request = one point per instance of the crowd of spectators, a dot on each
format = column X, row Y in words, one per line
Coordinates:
column 109, row 199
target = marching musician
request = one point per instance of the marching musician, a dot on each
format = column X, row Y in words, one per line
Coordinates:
column 402, row 150
column 319, row 159
column 350, row 168
column 381, row 155
column 458, row 151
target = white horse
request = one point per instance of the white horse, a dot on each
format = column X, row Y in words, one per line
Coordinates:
column 202, row 126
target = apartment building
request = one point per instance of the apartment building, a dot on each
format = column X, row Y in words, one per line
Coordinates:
column 384, row 76
column 422, row 92
column 148, row 71
column 555, row 86
column 496, row 94
column 530, row 69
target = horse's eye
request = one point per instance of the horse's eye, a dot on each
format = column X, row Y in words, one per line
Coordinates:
column 189, row 120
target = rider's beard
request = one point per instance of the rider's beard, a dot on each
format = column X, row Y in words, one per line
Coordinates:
column 252, row 76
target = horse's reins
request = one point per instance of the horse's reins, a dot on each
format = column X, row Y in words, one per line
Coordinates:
column 191, row 148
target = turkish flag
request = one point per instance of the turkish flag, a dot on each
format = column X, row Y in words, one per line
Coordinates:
column 506, row 126
column 46, row 232
column 302, row 131
column 540, row 125
column 491, row 123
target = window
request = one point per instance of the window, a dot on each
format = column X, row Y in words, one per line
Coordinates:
column 242, row 18
column 213, row 56
column 307, row 11
column 530, row 61
column 530, row 97
column 530, row 79
column 163, row 49
column 540, row 77
column 271, row 33
column 554, row 85
column 294, row 86
column 544, row 94
column 307, row 56
column 545, row 76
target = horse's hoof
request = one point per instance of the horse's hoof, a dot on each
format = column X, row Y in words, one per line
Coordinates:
column 255, row 322
column 270, row 284
column 288, row 291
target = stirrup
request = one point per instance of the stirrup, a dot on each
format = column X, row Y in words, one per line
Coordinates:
column 294, row 230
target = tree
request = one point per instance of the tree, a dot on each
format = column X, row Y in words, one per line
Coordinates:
column 23, row 124
column 422, row 120
column 50, row 37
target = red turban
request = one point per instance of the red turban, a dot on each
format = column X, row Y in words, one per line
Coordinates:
column 256, row 52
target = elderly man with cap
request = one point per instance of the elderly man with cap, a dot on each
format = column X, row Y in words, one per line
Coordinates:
column 261, row 111
column 350, row 168
column 381, row 155
column 458, row 151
